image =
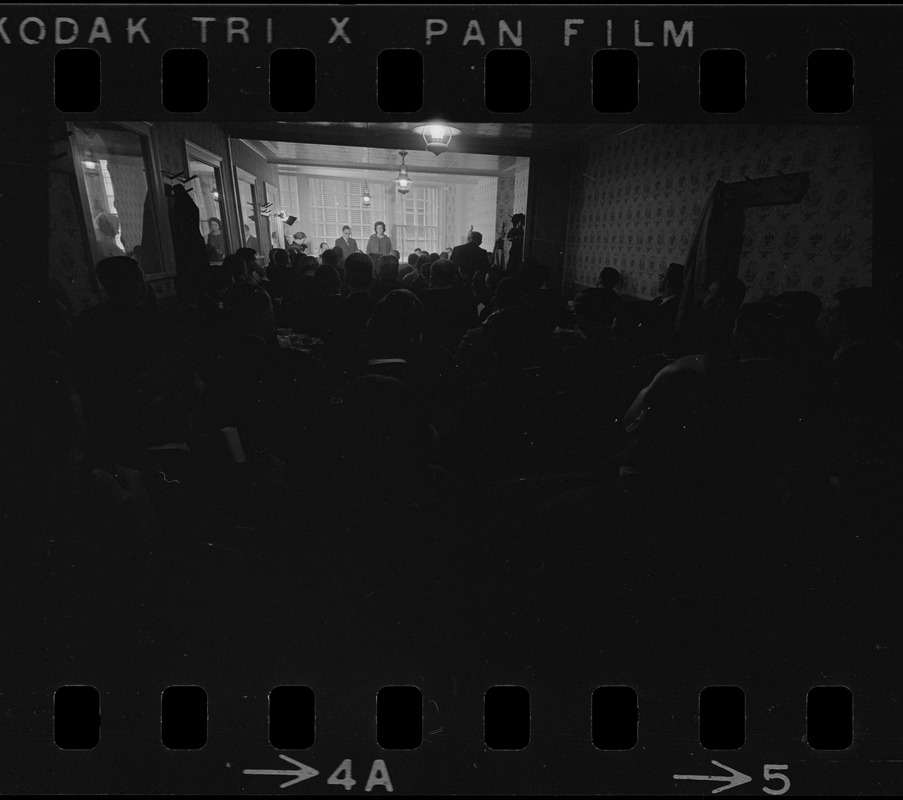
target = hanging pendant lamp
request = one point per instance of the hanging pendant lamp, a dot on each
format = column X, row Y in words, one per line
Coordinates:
column 403, row 182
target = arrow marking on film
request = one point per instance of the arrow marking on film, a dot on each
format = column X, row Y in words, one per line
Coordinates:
column 301, row 774
column 734, row 779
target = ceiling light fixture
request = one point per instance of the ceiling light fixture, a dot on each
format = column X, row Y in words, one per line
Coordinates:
column 403, row 182
column 436, row 136
column 366, row 199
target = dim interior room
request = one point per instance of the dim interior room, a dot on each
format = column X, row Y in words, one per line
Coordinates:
column 329, row 186
column 629, row 197
column 227, row 459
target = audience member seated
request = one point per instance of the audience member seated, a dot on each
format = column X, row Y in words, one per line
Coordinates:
column 609, row 279
column 382, row 446
column 277, row 272
column 256, row 273
column 867, row 378
column 255, row 386
column 667, row 303
column 115, row 339
column 345, row 338
column 238, row 267
column 592, row 361
column 419, row 279
column 710, row 329
column 386, row 278
column 447, row 314
column 311, row 309
column 396, row 348
column 409, row 267
column 807, row 347
column 329, row 258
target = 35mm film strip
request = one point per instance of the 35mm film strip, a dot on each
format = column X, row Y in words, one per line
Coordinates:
column 514, row 621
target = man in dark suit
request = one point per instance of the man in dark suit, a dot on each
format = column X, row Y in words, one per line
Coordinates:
column 346, row 244
column 470, row 258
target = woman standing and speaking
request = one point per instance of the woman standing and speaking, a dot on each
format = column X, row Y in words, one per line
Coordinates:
column 379, row 244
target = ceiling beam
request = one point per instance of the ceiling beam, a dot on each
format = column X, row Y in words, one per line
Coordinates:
column 401, row 140
column 360, row 166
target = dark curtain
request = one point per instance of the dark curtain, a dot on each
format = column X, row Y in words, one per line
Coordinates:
column 192, row 262
column 151, row 259
column 548, row 200
column 714, row 249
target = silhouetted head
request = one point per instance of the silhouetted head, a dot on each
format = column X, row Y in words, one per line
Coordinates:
column 724, row 298
column 595, row 312
column 358, row 271
column 634, row 330
column 532, row 274
column 476, row 238
column 395, row 325
column 238, row 267
column 327, row 281
column 249, row 310
column 799, row 309
column 759, row 332
column 856, row 315
column 219, row 280
column 122, row 278
column 508, row 294
column 382, row 437
column 249, row 254
column 387, row 267
column 671, row 281
column 424, row 265
column 609, row 278
column 279, row 257
column 329, row 258
column 443, row 273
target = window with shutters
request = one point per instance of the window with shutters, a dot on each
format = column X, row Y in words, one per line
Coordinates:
column 336, row 203
column 419, row 225
column 289, row 201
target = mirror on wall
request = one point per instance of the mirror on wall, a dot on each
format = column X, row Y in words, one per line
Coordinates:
column 112, row 165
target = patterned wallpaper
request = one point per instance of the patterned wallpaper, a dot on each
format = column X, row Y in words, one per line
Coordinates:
column 505, row 203
column 171, row 137
column 521, row 178
column 637, row 197
column 450, row 236
column 482, row 212
column 512, row 191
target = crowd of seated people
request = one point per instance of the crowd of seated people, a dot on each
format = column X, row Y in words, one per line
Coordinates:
column 445, row 402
